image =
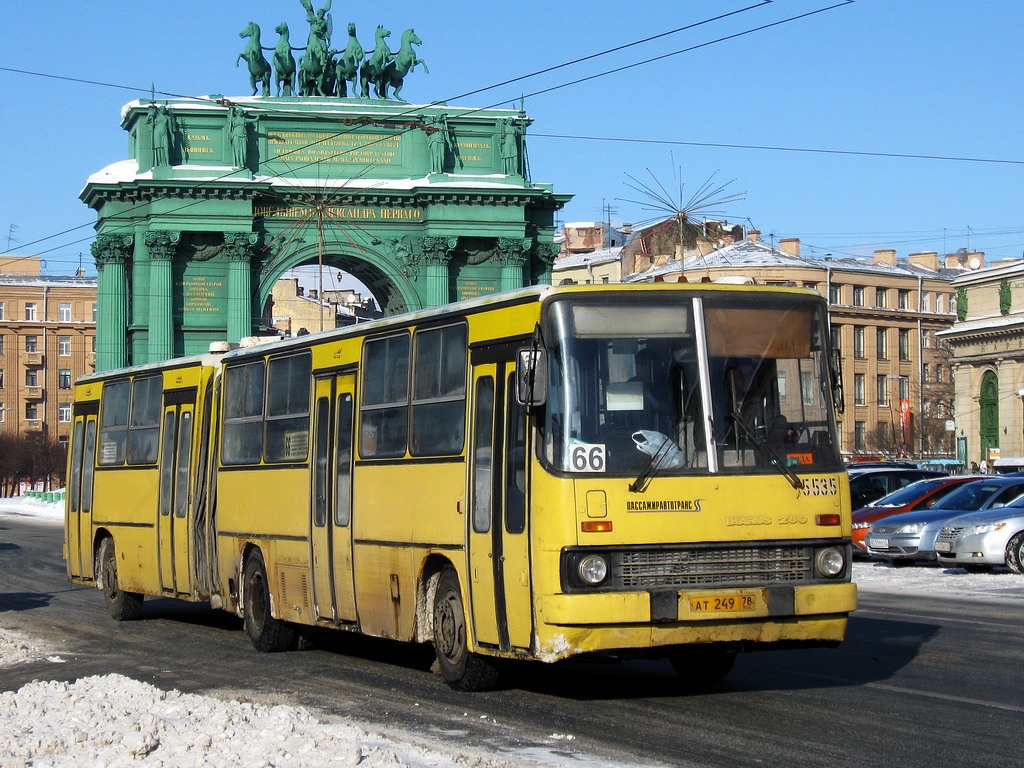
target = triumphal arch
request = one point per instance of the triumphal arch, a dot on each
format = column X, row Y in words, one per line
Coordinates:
column 424, row 204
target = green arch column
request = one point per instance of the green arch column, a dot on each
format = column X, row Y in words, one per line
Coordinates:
column 437, row 254
column 239, row 247
column 514, row 253
column 162, row 246
column 111, row 253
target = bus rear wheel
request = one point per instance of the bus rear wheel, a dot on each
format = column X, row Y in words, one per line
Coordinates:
column 462, row 670
column 266, row 633
column 701, row 667
column 124, row 606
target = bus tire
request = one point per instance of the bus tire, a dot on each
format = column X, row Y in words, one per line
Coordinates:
column 123, row 606
column 702, row 667
column 267, row 634
column 462, row 670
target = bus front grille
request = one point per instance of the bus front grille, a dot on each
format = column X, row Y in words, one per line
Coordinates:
column 711, row 566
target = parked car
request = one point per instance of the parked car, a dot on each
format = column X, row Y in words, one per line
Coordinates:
column 982, row 540
column 910, row 536
column 870, row 483
column 924, row 494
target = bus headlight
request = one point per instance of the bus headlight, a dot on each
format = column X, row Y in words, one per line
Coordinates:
column 830, row 562
column 592, row 570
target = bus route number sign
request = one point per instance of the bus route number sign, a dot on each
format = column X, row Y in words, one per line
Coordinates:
column 586, row 457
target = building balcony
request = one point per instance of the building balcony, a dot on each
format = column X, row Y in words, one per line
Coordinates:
column 33, row 393
column 33, row 426
column 33, row 359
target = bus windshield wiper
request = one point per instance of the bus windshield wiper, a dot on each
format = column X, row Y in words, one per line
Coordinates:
column 650, row 470
column 767, row 453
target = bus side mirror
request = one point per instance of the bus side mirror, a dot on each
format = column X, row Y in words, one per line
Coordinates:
column 531, row 376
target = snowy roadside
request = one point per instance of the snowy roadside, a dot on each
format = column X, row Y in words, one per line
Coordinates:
column 116, row 721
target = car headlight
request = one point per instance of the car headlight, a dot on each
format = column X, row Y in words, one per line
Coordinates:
column 592, row 570
column 912, row 528
column 830, row 562
column 859, row 526
column 986, row 527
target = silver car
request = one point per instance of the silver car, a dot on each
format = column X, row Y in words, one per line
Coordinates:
column 982, row 540
column 908, row 537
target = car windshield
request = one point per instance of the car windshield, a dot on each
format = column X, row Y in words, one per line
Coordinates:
column 971, row 496
column 907, row 494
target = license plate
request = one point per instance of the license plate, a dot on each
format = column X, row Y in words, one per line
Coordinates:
column 878, row 543
column 722, row 603
column 943, row 546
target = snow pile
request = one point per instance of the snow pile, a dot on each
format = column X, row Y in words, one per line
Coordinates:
column 116, row 721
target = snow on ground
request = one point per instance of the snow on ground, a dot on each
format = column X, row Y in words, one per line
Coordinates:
column 116, row 721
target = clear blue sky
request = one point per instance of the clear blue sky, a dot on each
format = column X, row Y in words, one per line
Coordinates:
column 913, row 77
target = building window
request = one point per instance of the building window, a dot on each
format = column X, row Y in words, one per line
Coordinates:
column 858, row 295
column 32, row 377
column 64, row 346
column 1, row 378
column 924, row 374
column 2, row 315
column 64, row 313
column 859, row 436
column 858, row 341
column 64, row 378
column 837, row 336
column 926, row 302
column 904, row 388
column 94, row 313
column 3, row 413
column 882, row 343
column 881, row 298
column 1, row 345
column 812, row 286
column 926, row 338
column 64, row 413
column 31, row 343
column 30, row 311
column 835, row 294
column 938, row 373
column 32, row 411
column 859, row 396
column 904, row 343
column 903, row 299
column 881, row 390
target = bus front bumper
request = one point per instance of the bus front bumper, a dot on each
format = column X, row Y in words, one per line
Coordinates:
column 581, row 623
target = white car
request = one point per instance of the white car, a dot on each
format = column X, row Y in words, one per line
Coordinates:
column 982, row 540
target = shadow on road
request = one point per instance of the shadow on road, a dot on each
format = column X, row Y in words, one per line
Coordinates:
column 24, row 601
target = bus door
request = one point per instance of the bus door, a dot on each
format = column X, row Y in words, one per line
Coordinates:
column 79, row 493
column 498, row 541
column 331, row 513
column 174, row 508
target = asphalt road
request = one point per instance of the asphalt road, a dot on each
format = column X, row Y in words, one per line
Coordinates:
column 919, row 680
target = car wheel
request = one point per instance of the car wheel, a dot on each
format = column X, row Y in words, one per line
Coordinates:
column 124, row 606
column 1015, row 553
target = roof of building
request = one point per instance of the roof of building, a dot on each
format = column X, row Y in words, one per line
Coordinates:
column 48, row 281
column 757, row 253
column 600, row 256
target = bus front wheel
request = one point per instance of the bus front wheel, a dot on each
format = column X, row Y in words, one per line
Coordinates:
column 124, row 606
column 462, row 670
column 700, row 668
column 266, row 633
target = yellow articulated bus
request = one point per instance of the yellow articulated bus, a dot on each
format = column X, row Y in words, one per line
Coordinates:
column 621, row 470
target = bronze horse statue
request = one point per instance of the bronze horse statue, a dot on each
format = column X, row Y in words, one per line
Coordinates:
column 284, row 62
column 259, row 68
column 401, row 64
column 347, row 66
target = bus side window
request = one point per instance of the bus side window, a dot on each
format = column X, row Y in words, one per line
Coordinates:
column 515, row 464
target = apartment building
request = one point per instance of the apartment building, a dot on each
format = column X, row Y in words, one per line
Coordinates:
column 47, row 340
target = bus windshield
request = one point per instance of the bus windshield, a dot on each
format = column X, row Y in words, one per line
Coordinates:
column 688, row 385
